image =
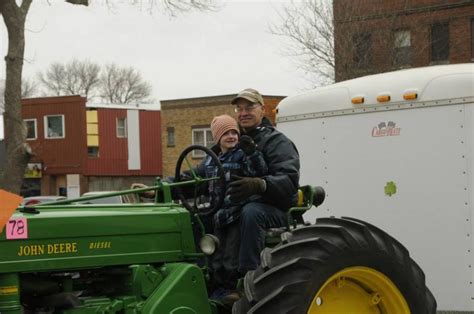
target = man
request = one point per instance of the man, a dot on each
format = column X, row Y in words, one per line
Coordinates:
column 278, row 189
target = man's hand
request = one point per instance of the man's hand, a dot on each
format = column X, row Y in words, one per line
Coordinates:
column 247, row 144
column 244, row 187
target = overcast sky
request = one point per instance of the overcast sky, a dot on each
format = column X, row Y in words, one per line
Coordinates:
column 195, row 54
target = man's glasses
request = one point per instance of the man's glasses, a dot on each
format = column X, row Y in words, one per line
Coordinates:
column 248, row 108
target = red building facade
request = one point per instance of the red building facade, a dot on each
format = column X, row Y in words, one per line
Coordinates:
column 114, row 153
column 79, row 147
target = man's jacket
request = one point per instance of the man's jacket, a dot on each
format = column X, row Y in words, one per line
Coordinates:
column 283, row 162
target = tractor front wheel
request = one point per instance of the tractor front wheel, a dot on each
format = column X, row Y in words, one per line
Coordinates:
column 336, row 266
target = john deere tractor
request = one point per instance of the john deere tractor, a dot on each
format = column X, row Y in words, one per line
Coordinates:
column 73, row 257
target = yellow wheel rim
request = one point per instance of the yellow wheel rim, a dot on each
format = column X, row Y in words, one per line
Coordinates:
column 358, row 290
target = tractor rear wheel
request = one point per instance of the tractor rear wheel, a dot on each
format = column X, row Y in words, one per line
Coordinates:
column 338, row 265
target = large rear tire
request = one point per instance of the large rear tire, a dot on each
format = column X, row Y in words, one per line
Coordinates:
column 336, row 266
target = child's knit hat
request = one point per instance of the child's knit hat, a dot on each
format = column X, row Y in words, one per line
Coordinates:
column 221, row 124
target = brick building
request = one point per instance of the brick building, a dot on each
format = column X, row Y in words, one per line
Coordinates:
column 187, row 122
column 372, row 37
column 79, row 147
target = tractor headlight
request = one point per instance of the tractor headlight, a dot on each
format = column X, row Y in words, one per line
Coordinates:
column 209, row 244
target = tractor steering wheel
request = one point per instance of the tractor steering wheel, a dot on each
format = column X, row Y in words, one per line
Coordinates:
column 215, row 201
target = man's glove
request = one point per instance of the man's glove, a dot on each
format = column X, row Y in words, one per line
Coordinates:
column 244, row 187
column 247, row 144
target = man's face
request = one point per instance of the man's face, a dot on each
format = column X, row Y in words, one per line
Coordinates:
column 249, row 114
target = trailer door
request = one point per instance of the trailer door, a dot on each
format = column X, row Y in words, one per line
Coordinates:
column 405, row 171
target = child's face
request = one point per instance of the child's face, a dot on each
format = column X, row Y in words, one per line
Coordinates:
column 229, row 140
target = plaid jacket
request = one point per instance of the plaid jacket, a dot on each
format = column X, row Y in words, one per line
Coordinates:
column 234, row 162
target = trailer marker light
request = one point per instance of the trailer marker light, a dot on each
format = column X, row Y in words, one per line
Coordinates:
column 410, row 96
column 358, row 100
column 383, row 98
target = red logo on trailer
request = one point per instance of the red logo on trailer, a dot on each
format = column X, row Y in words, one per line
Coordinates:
column 386, row 129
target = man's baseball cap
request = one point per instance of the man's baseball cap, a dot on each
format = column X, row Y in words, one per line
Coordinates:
column 249, row 94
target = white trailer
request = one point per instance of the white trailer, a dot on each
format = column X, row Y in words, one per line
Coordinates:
column 397, row 150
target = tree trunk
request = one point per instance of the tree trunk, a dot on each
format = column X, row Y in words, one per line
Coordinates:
column 17, row 152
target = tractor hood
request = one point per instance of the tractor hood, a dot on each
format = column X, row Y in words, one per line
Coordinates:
column 80, row 236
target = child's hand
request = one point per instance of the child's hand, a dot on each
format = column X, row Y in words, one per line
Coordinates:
column 148, row 194
column 138, row 186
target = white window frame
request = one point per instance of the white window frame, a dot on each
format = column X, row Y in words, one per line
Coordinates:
column 36, row 129
column 402, row 43
column 198, row 153
column 124, row 127
column 402, row 38
column 171, row 135
column 46, row 126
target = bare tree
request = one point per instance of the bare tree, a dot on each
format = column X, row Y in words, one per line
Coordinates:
column 72, row 78
column 115, row 84
column 173, row 7
column 334, row 40
column 2, row 93
column 309, row 26
column 17, row 151
column 28, row 88
column 123, row 85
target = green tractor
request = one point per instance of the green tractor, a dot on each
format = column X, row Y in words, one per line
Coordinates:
column 70, row 257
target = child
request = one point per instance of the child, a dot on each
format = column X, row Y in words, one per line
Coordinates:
column 238, row 159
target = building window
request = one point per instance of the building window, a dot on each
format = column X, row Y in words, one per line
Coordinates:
column 170, row 133
column 202, row 137
column 440, row 42
column 402, row 48
column 363, row 50
column 93, row 152
column 54, row 127
column 121, row 127
column 31, row 131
